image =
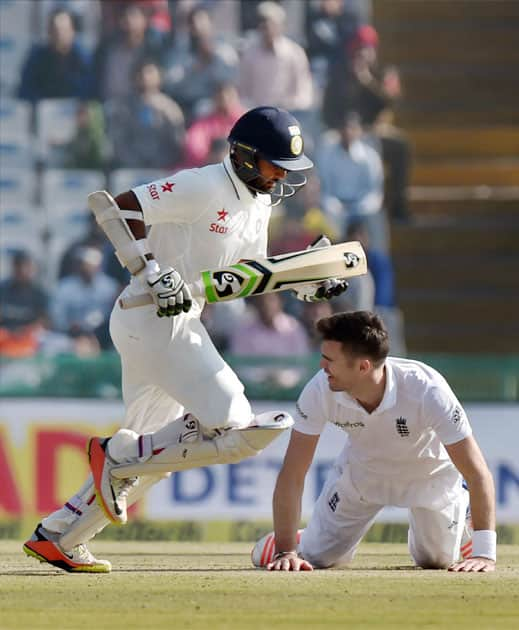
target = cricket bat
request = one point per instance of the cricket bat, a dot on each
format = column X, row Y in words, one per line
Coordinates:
column 275, row 273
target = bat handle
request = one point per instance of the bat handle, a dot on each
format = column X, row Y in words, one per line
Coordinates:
column 144, row 299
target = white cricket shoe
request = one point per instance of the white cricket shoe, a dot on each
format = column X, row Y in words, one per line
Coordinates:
column 43, row 545
column 263, row 551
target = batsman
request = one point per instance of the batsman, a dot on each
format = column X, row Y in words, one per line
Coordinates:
column 184, row 406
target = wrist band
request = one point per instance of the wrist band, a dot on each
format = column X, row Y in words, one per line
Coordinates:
column 484, row 544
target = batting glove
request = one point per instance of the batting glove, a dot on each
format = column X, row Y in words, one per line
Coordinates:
column 170, row 293
column 321, row 291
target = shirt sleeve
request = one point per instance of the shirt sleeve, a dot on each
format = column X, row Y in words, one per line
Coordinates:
column 446, row 415
column 180, row 198
column 310, row 416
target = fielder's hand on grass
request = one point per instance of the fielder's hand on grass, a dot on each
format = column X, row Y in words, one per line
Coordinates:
column 170, row 293
column 474, row 565
column 321, row 291
column 289, row 561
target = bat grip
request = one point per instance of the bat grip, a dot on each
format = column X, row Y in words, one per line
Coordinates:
column 144, row 299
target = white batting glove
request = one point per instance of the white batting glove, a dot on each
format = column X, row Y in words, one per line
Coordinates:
column 321, row 291
column 169, row 291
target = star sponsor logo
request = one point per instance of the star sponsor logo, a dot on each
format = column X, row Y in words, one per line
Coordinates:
column 167, row 187
column 153, row 192
column 222, row 215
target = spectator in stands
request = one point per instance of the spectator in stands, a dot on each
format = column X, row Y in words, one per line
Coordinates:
column 329, row 27
column 119, row 53
column 356, row 83
column 379, row 264
column 23, row 308
column 309, row 314
column 157, row 14
column 88, row 147
column 303, row 220
column 96, row 238
column 192, row 73
column 270, row 332
column 225, row 111
column 217, row 150
column 146, row 128
column 82, row 302
column 60, row 67
column 352, row 180
column 380, row 269
column 274, row 69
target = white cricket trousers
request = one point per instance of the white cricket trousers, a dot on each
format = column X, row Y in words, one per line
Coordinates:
column 169, row 365
column 341, row 518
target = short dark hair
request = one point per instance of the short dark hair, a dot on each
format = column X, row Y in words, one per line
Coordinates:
column 360, row 332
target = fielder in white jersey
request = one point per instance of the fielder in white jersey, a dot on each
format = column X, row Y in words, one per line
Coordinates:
column 200, row 219
column 409, row 444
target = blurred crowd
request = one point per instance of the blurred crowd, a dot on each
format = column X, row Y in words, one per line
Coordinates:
column 119, row 92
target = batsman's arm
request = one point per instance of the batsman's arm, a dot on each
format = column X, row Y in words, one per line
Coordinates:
column 288, row 494
column 468, row 459
column 122, row 221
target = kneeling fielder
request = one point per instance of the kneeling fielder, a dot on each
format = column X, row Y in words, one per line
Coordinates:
column 409, row 444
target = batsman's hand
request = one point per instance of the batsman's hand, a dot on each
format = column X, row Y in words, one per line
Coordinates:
column 169, row 291
column 289, row 561
column 321, row 291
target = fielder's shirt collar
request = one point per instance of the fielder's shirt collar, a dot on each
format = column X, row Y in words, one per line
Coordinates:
column 388, row 400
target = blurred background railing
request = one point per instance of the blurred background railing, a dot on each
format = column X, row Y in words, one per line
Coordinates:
column 485, row 378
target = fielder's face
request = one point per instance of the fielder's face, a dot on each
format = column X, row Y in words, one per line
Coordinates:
column 346, row 373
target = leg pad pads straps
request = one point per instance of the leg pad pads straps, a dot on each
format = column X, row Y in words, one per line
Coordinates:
column 229, row 448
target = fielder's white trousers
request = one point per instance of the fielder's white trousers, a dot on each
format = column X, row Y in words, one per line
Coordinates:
column 341, row 518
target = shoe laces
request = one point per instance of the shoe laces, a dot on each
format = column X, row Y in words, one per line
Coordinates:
column 123, row 486
column 83, row 554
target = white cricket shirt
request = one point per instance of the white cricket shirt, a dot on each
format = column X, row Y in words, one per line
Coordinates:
column 395, row 454
column 203, row 219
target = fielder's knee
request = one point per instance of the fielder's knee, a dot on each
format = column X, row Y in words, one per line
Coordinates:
column 437, row 560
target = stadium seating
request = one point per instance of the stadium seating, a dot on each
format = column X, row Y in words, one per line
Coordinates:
column 15, row 41
column 56, row 126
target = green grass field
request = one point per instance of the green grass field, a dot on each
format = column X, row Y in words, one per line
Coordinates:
column 211, row 586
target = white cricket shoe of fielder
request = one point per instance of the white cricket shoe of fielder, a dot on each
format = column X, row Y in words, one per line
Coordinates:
column 264, row 550
column 111, row 493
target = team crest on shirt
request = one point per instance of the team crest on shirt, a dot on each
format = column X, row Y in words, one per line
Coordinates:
column 401, row 427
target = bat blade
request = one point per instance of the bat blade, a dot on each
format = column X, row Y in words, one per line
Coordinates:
column 276, row 273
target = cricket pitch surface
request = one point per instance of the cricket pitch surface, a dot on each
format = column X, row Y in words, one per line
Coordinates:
column 212, row 586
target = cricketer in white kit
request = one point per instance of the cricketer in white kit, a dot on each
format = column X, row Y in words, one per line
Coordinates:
column 200, row 219
column 409, row 444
